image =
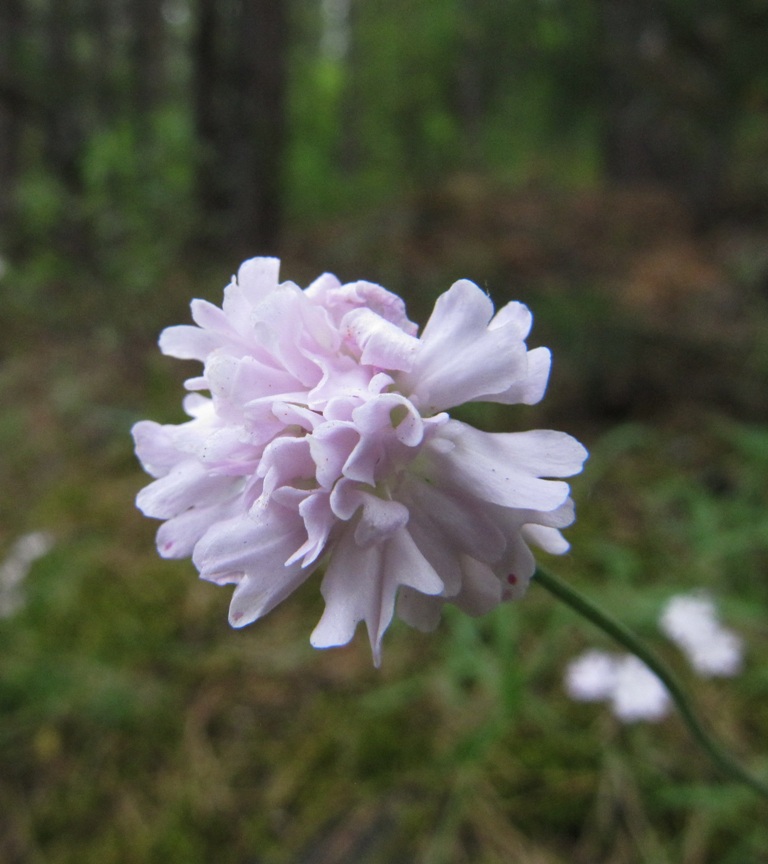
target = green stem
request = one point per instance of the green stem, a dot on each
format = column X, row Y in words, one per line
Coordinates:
column 589, row 610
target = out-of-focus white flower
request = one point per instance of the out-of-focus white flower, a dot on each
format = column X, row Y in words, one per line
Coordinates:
column 687, row 618
column 325, row 440
column 626, row 683
column 591, row 677
column 638, row 694
column 13, row 570
column 691, row 621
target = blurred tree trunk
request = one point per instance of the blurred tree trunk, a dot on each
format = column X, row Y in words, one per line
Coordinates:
column 212, row 198
column 63, row 127
column 262, row 63
column 147, row 57
column 239, row 73
column 100, row 18
column 470, row 105
column 672, row 101
column 11, row 113
column 349, row 153
column 633, row 148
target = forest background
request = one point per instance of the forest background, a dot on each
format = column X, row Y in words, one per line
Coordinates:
column 606, row 162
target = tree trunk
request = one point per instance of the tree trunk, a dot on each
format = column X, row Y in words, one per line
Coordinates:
column 212, row 197
column 633, row 145
column 239, row 72
column 147, row 54
column 11, row 114
column 670, row 110
column 262, row 112
column 100, row 21
column 63, row 133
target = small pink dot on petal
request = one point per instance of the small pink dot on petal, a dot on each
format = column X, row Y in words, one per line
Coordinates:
column 512, row 579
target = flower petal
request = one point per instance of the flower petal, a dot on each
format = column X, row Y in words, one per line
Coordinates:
column 319, row 520
column 453, row 522
column 251, row 550
column 340, row 299
column 352, row 591
column 361, row 584
column 379, row 520
column 258, row 277
column 188, row 342
column 461, row 357
column 530, row 387
column 505, row 467
column 481, row 591
column 257, row 593
column 380, row 342
column 286, row 462
column 330, row 446
column 516, row 319
column 209, row 316
column 548, row 539
column 177, row 537
column 239, row 380
column 186, row 485
column 155, row 447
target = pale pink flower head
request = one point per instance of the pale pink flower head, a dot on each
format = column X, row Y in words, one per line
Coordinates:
column 324, row 442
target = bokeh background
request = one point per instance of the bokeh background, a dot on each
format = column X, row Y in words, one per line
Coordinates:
column 606, row 162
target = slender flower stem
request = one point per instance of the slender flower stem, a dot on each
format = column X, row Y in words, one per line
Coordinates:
column 589, row 610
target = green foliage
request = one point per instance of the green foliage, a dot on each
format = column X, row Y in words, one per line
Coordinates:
column 138, row 182
column 479, row 86
column 41, row 202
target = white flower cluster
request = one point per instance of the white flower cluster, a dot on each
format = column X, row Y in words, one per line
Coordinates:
column 628, row 685
column 14, row 569
column 633, row 691
column 690, row 621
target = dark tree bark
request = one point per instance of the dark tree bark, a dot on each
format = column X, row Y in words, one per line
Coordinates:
column 350, row 147
column 147, row 56
column 634, row 149
column 100, row 21
column 469, row 84
column 63, row 128
column 212, row 195
column 671, row 101
column 12, row 110
column 239, row 72
column 262, row 110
